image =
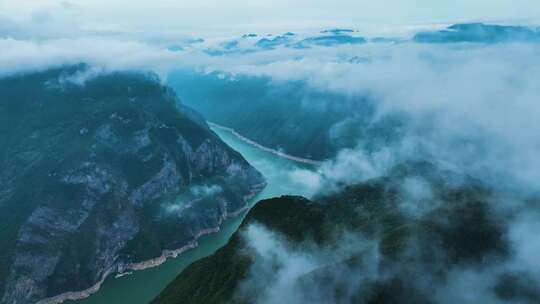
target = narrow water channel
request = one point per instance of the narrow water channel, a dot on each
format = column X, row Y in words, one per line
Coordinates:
column 142, row 286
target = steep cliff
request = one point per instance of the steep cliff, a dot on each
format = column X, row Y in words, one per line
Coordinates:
column 100, row 173
column 290, row 117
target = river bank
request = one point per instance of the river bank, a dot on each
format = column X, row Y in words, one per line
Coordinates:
column 142, row 286
column 155, row 262
column 266, row 149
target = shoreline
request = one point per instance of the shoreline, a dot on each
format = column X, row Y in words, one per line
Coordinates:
column 266, row 149
column 157, row 261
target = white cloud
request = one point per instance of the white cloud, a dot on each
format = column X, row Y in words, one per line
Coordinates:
column 526, row 244
column 191, row 197
column 279, row 266
column 474, row 107
column 24, row 55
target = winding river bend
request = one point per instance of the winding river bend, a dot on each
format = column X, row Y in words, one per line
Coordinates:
column 141, row 287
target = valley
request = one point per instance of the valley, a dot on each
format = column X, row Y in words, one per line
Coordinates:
column 141, row 287
column 320, row 152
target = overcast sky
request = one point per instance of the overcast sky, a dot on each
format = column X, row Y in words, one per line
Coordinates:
column 199, row 16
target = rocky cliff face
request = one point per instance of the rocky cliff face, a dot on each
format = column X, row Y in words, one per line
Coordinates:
column 101, row 173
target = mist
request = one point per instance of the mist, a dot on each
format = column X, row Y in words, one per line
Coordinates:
column 471, row 109
column 497, row 266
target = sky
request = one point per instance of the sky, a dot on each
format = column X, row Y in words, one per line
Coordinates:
column 194, row 17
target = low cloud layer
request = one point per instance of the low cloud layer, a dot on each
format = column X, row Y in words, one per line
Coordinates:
column 191, row 197
column 471, row 106
column 279, row 266
column 468, row 108
column 353, row 267
column 212, row 15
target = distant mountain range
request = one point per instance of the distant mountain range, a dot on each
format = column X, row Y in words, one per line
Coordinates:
column 457, row 33
column 306, row 121
column 107, row 172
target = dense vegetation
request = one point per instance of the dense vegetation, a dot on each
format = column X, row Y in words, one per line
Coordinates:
column 89, row 167
column 460, row 232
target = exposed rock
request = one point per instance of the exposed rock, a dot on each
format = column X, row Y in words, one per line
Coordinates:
column 87, row 174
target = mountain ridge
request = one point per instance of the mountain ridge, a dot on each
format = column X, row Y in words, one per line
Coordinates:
column 96, row 175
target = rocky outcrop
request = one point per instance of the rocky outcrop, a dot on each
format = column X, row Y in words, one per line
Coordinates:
column 104, row 177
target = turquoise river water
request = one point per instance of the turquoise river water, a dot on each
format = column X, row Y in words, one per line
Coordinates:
column 142, row 286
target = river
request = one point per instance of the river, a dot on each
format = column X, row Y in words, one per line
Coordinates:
column 142, row 286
